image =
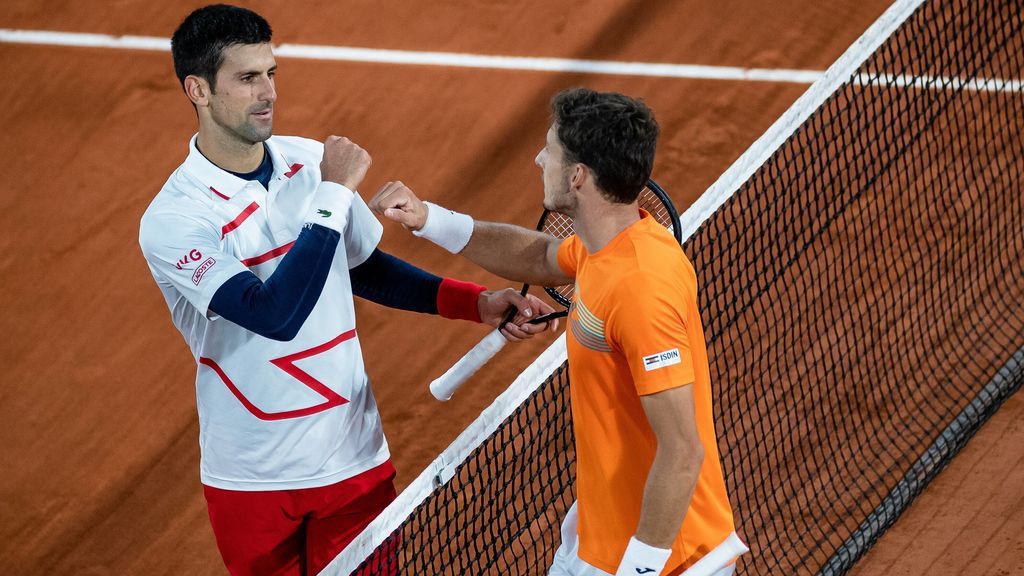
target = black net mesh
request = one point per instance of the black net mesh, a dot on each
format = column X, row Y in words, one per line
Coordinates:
column 865, row 285
column 501, row 512
column 862, row 304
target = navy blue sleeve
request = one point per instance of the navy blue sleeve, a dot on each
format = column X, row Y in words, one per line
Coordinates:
column 395, row 283
column 278, row 307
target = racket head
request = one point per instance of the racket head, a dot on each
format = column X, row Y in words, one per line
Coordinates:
column 652, row 199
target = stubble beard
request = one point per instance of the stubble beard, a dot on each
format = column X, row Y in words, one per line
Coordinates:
column 253, row 134
column 558, row 199
column 246, row 132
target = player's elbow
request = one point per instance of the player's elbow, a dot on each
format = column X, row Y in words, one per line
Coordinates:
column 285, row 333
column 280, row 335
column 686, row 454
column 694, row 455
column 284, row 330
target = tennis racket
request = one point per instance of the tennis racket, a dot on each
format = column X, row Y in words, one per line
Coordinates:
column 652, row 199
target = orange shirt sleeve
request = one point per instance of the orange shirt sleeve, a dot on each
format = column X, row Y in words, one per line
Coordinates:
column 648, row 327
column 569, row 255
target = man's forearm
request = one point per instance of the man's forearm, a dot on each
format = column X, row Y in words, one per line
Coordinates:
column 278, row 307
column 670, row 485
column 512, row 252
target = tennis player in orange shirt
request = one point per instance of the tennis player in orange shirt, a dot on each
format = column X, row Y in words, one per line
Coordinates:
column 651, row 496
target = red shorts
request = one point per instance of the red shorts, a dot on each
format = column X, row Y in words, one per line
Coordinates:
column 295, row 532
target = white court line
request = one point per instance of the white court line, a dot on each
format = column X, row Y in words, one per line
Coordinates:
column 525, row 63
column 761, row 150
column 453, row 59
column 83, row 40
column 548, row 64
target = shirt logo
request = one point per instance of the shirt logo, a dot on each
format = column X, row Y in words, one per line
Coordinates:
column 193, row 256
column 644, row 570
column 662, row 359
column 587, row 329
column 324, row 213
column 203, row 268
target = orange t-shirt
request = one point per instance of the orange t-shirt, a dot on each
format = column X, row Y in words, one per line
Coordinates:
column 634, row 329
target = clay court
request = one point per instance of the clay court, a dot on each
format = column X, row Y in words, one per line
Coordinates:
column 99, row 435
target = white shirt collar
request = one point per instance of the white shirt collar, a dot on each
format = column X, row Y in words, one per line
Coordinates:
column 224, row 184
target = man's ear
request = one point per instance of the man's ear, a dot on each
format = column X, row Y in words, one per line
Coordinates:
column 198, row 90
column 580, row 175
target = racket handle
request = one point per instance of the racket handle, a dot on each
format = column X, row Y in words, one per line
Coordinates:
column 549, row 317
column 445, row 385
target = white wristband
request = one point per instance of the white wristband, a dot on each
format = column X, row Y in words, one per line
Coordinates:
column 449, row 230
column 331, row 206
column 642, row 558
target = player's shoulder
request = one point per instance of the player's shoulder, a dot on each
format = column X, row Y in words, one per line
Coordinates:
column 178, row 203
column 572, row 245
column 645, row 293
column 638, row 282
column 652, row 251
column 297, row 145
column 181, row 193
column 655, row 264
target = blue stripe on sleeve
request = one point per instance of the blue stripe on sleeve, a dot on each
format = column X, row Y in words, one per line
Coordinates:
column 278, row 308
column 395, row 283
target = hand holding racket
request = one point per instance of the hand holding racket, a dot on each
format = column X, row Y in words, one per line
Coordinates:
column 513, row 313
column 411, row 213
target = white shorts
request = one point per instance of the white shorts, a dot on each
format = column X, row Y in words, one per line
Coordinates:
column 718, row 562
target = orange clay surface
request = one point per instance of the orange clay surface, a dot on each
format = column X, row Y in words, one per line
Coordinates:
column 98, row 428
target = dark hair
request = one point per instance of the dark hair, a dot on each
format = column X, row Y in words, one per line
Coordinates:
column 199, row 42
column 613, row 135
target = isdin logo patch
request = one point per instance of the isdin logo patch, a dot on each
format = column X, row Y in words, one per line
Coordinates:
column 662, row 359
column 324, row 213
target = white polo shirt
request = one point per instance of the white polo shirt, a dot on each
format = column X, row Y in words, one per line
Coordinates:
column 272, row 415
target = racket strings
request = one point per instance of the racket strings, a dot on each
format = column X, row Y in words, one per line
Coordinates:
column 559, row 226
column 650, row 202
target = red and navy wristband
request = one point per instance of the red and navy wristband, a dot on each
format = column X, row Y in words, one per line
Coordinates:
column 458, row 300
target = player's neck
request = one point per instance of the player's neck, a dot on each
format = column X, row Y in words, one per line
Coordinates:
column 229, row 153
column 599, row 223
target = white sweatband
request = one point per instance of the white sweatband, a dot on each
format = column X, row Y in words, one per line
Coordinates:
column 641, row 558
column 449, row 230
column 331, row 205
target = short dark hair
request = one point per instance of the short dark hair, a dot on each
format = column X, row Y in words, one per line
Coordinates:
column 612, row 134
column 199, row 42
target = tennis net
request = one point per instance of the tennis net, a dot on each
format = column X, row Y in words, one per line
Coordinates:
column 861, row 275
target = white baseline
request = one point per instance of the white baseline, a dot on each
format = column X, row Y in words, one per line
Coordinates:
column 524, row 63
column 452, row 59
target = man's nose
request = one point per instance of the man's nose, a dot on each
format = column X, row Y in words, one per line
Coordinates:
column 268, row 92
